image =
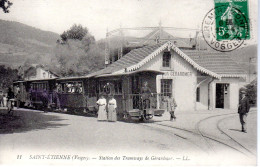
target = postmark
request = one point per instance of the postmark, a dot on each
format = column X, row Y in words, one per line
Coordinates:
column 225, row 27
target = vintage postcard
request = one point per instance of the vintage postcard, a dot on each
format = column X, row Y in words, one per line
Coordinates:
column 128, row 82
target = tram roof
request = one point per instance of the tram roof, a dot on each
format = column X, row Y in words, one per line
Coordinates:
column 130, row 73
column 31, row 80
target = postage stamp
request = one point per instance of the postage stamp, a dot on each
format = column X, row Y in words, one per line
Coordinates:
column 225, row 27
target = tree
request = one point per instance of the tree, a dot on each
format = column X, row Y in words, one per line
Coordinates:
column 76, row 32
column 7, row 76
column 251, row 91
column 87, row 41
column 5, row 5
column 93, row 60
column 64, row 36
column 67, row 56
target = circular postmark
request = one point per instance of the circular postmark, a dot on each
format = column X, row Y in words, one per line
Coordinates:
column 224, row 28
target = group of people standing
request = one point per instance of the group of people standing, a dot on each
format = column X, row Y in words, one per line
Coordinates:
column 107, row 108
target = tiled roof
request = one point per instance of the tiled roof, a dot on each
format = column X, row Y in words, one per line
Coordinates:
column 150, row 39
column 217, row 62
column 133, row 57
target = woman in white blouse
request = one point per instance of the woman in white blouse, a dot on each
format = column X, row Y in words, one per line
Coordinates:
column 112, row 109
column 102, row 113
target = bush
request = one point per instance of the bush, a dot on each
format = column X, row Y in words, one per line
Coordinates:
column 251, row 92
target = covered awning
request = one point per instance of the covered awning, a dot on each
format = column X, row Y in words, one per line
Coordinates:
column 130, row 73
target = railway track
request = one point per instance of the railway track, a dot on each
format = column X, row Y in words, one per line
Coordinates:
column 208, row 139
column 231, row 138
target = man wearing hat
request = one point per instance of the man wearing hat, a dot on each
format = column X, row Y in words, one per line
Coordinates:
column 243, row 109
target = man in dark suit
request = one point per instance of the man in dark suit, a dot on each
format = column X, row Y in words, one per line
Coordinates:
column 243, row 109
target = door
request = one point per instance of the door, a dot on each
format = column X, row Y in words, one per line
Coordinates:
column 136, row 88
column 219, row 95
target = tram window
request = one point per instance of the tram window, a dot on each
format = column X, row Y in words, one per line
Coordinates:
column 166, row 59
column 166, row 87
column 72, row 87
column 118, row 87
column 114, row 87
column 39, row 86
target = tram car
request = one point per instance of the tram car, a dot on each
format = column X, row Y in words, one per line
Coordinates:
column 81, row 93
column 35, row 93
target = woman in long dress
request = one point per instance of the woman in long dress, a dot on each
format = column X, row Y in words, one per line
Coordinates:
column 112, row 109
column 102, row 113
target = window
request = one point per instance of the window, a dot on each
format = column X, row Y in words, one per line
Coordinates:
column 166, row 87
column 166, row 59
column 71, row 87
column 118, row 87
column 39, row 86
column 111, row 87
column 198, row 95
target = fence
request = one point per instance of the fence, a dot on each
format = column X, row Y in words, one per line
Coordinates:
column 137, row 101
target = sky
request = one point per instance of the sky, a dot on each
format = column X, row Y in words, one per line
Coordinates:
column 102, row 15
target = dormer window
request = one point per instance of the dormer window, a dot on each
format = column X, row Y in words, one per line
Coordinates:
column 166, row 59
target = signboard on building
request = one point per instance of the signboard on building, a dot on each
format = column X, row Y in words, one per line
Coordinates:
column 177, row 73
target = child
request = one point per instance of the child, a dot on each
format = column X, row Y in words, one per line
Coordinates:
column 4, row 101
column 171, row 106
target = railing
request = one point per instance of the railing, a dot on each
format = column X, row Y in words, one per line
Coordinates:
column 137, row 101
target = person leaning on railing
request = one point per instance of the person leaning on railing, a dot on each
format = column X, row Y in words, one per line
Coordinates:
column 146, row 94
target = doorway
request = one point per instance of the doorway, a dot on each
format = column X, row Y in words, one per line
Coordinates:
column 222, row 95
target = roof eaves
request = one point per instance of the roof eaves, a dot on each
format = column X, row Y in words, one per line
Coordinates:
column 147, row 58
column 193, row 63
column 233, row 75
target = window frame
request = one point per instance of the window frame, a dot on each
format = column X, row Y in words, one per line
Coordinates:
column 63, row 86
column 166, row 83
column 166, row 60
column 117, row 86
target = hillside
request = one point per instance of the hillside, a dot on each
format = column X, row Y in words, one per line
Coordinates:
column 246, row 57
column 19, row 42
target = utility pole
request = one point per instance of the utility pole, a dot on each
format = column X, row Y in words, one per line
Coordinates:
column 160, row 30
column 249, row 62
column 107, row 49
column 120, row 53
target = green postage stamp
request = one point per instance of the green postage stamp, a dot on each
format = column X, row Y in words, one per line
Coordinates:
column 232, row 21
column 226, row 26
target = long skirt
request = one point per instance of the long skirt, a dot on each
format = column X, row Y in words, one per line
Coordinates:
column 112, row 113
column 102, row 114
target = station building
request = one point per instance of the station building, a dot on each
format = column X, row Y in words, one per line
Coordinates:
column 198, row 80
